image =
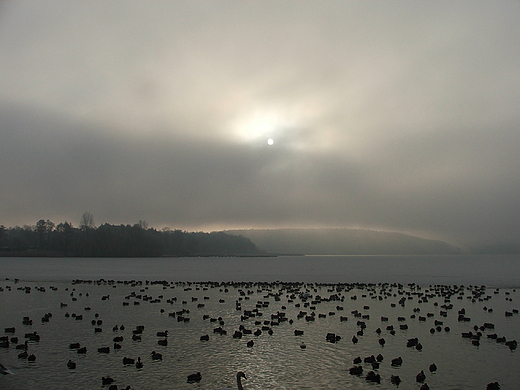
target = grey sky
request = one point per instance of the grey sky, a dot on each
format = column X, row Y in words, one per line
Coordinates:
column 400, row 116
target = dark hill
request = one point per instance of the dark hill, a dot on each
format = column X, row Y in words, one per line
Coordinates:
column 342, row 242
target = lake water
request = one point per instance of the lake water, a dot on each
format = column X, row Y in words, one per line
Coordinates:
column 493, row 270
column 328, row 286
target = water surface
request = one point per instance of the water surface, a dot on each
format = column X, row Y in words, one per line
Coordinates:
column 495, row 270
column 274, row 361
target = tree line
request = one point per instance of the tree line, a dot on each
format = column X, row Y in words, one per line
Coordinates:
column 138, row 240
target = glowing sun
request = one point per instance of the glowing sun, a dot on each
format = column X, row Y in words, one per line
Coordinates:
column 260, row 126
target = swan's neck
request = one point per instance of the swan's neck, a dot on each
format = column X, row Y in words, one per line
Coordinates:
column 239, row 383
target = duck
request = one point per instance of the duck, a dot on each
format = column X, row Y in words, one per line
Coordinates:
column 127, row 360
column 156, row 355
column 139, row 363
column 373, row 377
column 23, row 355
column 106, row 381
column 163, row 342
column 433, row 367
column 412, row 342
column 197, row 377
column 71, row 365
column 395, row 379
column 369, row 359
column 420, row 377
column 397, row 361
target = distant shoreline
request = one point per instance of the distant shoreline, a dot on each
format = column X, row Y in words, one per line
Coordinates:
column 57, row 255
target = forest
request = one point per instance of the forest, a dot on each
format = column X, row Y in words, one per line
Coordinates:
column 138, row 240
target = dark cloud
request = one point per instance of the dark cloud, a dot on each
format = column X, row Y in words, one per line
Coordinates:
column 384, row 115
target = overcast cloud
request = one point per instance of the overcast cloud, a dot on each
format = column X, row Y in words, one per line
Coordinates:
column 400, row 116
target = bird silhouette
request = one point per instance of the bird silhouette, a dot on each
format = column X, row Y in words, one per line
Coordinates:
column 240, row 375
column 197, row 377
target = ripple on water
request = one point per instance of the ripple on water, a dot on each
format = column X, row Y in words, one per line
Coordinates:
column 274, row 362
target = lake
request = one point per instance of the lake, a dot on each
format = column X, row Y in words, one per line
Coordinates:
column 362, row 296
column 494, row 270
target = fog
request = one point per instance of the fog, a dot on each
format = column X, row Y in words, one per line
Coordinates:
column 398, row 116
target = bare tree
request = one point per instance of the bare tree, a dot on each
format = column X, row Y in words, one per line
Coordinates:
column 87, row 221
column 143, row 224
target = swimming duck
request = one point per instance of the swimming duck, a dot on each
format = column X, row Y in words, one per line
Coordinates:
column 106, row 381
column 356, row 370
column 373, row 377
column 397, row 361
column 195, row 377
column 156, row 355
column 395, row 379
column 127, row 360
column 23, row 355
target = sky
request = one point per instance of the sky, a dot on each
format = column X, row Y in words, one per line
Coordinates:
column 400, row 116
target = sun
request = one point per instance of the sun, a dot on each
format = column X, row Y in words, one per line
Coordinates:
column 260, row 125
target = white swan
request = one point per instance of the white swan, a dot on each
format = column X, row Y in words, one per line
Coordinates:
column 240, row 375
